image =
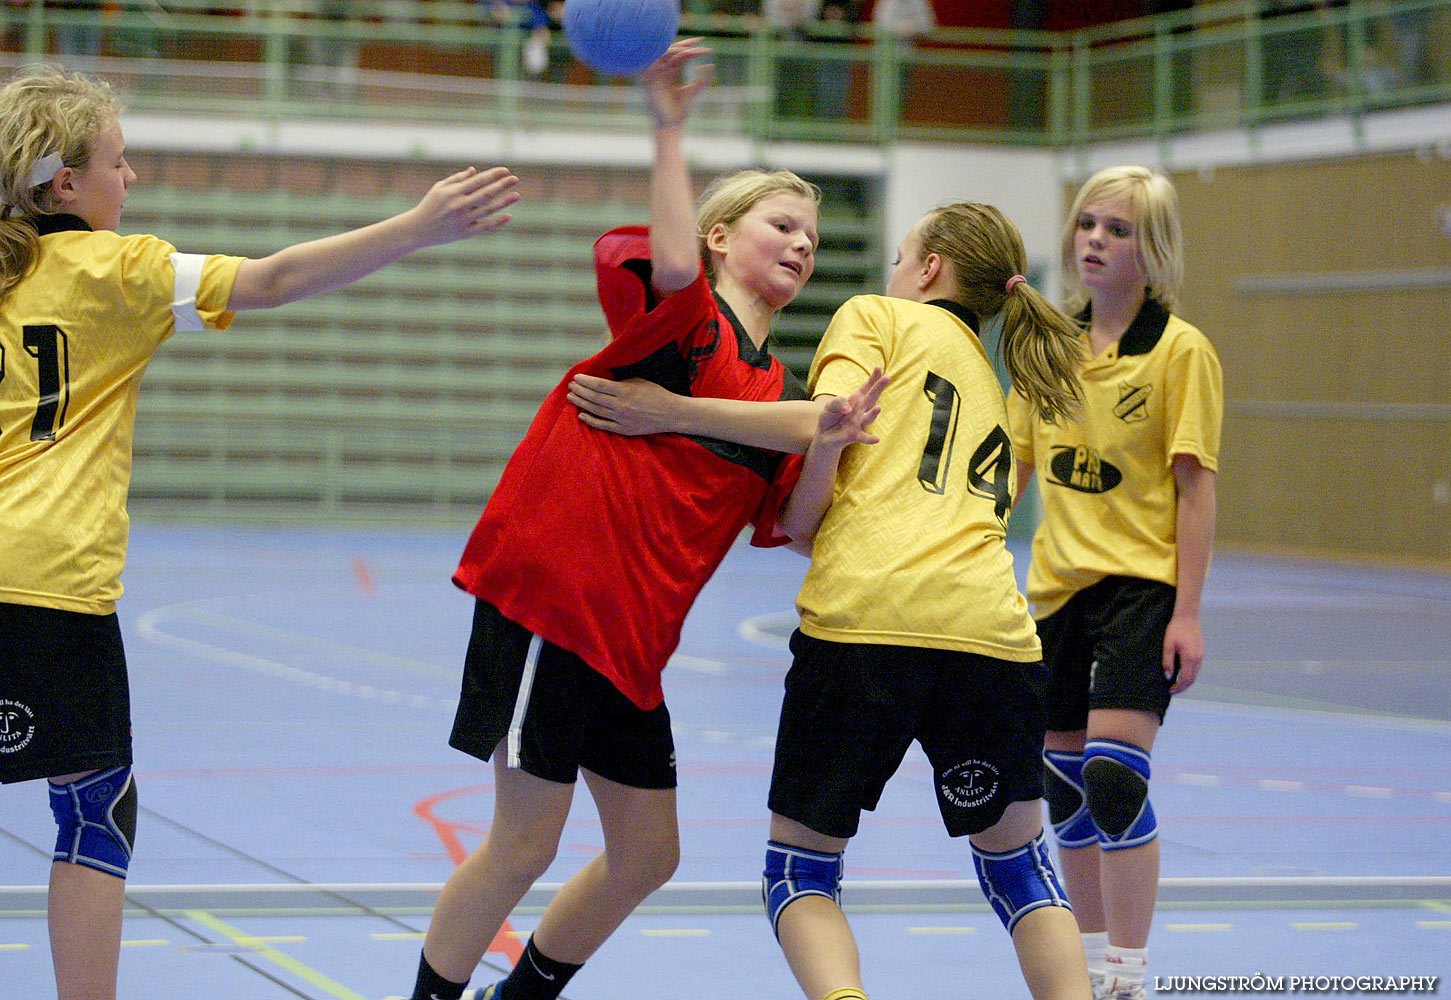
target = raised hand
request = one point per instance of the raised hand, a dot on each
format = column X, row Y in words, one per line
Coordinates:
column 845, row 419
column 668, row 94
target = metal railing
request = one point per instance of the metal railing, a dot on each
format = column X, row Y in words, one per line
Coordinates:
column 1217, row 65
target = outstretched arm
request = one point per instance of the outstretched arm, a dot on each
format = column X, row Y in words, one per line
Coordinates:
column 844, row 420
column 468, row 203
column 674, row 245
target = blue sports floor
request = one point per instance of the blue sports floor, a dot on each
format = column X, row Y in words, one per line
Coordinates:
column 293, row 690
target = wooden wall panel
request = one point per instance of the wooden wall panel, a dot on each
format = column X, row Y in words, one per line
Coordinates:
column 1338, row 402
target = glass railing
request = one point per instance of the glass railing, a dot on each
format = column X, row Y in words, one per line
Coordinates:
column 1217, row 65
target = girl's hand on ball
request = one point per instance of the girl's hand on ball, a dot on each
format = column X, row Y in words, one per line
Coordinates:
column 669, row 95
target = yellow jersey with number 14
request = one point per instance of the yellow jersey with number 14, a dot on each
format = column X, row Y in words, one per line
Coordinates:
column 76, row 335
column 912, row 550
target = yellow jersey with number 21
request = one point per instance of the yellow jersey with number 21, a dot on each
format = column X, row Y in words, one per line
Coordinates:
column 76, row 335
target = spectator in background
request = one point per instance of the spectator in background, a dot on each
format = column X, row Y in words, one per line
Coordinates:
column 333, row 53
column 537, row 18
column 1293, row 59
column 1409, row 30
column 735, row 21
column 1181, row 65
column 907, row 19
column 835, row 22
column 811, row 87
column 82, row 40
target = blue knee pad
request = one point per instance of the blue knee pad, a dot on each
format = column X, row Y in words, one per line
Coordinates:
column 793, row 872
column 1067, row 801
column 1018, row 882
column 1116, row 781
column 97, row 820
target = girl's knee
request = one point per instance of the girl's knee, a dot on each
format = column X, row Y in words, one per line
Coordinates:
column 518, row 860
column 646, row 867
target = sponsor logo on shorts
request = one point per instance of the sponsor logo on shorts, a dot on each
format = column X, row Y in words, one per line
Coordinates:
column 969, row 784
column 17, row 726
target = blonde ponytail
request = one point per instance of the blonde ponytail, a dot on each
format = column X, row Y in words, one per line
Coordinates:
column 1043, row 351
column 1040, row 345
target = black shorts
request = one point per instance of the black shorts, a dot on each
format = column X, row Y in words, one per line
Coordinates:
column 64, row 703
column 556, row 713
column 1105, row 649
column 852, row 710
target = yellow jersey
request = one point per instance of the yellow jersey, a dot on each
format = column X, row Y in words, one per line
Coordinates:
column 76, row 335
column 912, row 550
column 1110, row 503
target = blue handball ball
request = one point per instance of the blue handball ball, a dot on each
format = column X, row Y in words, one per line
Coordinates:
column 620, row 37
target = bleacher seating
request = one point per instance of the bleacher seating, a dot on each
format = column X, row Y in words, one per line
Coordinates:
column 406, row 393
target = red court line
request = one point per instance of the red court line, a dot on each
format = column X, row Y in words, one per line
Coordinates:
column 365, row 577
column 505, row 942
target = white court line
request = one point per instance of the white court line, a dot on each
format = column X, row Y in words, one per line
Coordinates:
column 149, row 627
column 1369, row 791
column 890, row 893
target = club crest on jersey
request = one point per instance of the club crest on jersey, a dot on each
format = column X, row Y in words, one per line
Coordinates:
column 1133, row 402
column 1081, row 468
column 969, row 784
column 17, row 726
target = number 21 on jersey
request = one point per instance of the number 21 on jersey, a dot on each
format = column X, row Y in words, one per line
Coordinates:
column 46, row 343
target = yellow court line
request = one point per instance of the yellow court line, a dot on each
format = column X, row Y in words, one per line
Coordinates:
column 681, row 932
column 292, row 965
column 941, row 930
column 409, row 936
column 1434, row 924
column 1201, row 927
column 13, row 947
column 1339, row 925
column 145, row 943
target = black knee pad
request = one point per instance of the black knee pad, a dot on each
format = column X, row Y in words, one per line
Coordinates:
column 1067, row 802
column 1116, row 782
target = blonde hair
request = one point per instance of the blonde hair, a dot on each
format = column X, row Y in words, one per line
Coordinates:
column 1041, row 346
column 1158, row 236
column 726, row 199
column 43, row 111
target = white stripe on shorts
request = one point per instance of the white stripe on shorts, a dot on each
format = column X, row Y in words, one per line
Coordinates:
column 521, row 703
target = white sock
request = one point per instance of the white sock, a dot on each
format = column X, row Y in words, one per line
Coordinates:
column 1095, row 949
column 1128, row 965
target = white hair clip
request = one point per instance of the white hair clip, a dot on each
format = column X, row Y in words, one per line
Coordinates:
column 45, row 169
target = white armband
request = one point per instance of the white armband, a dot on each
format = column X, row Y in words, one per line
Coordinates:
column 188, row 267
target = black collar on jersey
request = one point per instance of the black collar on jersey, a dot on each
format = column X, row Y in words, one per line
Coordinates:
column 60, row 222
column 960, row 311
column 1143, row 333
column 756, row 357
